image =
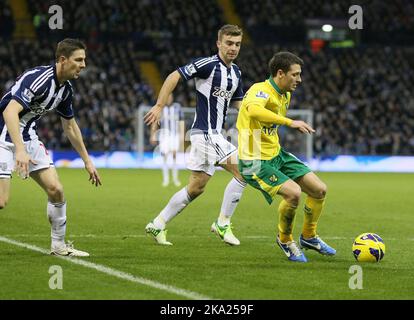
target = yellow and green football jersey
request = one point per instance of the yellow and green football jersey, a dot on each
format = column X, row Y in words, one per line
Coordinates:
column 259, row 140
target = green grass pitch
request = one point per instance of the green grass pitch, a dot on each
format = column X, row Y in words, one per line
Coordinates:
column 109, row 223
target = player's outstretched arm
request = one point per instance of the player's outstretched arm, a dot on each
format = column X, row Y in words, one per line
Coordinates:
column 11, row 119
column 72, row 131
column 259, row 113
column 302, row 126
column 263, row 115
column 154, row 115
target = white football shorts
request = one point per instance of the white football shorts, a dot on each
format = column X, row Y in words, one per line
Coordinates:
column 35, row 149
column 207, row 151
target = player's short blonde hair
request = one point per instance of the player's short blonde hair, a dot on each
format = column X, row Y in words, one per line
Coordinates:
column 229, row 30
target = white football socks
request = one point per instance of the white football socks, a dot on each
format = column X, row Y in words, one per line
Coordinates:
column 232, row 195
column 176, row 204
column 56, row 213
column 181, row 199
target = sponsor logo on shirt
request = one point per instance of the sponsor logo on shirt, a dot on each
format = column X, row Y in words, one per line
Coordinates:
column 221, row 93
column 37, row 109
column 270, row 131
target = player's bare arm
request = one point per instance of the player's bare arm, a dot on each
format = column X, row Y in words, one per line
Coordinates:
column 302, row 126
column 167, row 88
column 11, row 118
column 72, row 131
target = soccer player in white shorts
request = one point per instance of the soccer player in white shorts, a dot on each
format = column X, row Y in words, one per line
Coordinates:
column 35, row 92
column 208, row 151
column 35, row 149
column 218, row 85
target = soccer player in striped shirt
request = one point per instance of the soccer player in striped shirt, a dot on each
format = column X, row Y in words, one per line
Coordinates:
column 272, row 170
column 36, row 92
column 218, row 84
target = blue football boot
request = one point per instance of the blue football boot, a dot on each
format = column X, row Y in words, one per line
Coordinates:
column 316, row 244
column 292, row 251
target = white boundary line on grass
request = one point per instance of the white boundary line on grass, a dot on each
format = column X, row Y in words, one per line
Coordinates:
column 113, row 272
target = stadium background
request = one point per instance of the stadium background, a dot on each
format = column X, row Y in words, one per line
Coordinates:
column 358, row 83
column 359, row 87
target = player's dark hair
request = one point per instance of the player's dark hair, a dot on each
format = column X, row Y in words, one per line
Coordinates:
column 230, row 30
column 283, row 61
column 67, row 46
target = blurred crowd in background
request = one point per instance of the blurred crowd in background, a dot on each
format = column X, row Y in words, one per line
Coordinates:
column 361, row 97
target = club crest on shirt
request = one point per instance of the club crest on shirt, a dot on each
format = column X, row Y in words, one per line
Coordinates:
column 262, row 95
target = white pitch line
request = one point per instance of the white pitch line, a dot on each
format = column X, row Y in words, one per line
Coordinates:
column 113, row 272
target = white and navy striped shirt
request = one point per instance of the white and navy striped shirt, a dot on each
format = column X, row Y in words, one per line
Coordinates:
column 216, row 86
column 38, row 91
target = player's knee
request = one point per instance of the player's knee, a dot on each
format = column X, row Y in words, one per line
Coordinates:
column 293, row 196
column 195, row 191
column 294, row 200
column 320, row 192
column 55, row 192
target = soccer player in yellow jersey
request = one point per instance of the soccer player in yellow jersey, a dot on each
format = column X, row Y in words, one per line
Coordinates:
column 270, row 169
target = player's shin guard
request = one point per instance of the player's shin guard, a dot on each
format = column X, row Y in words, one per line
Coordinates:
column 56, row 213
column 232, row 195
column 313, row 209
column 286, row 221
column 176, row 204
